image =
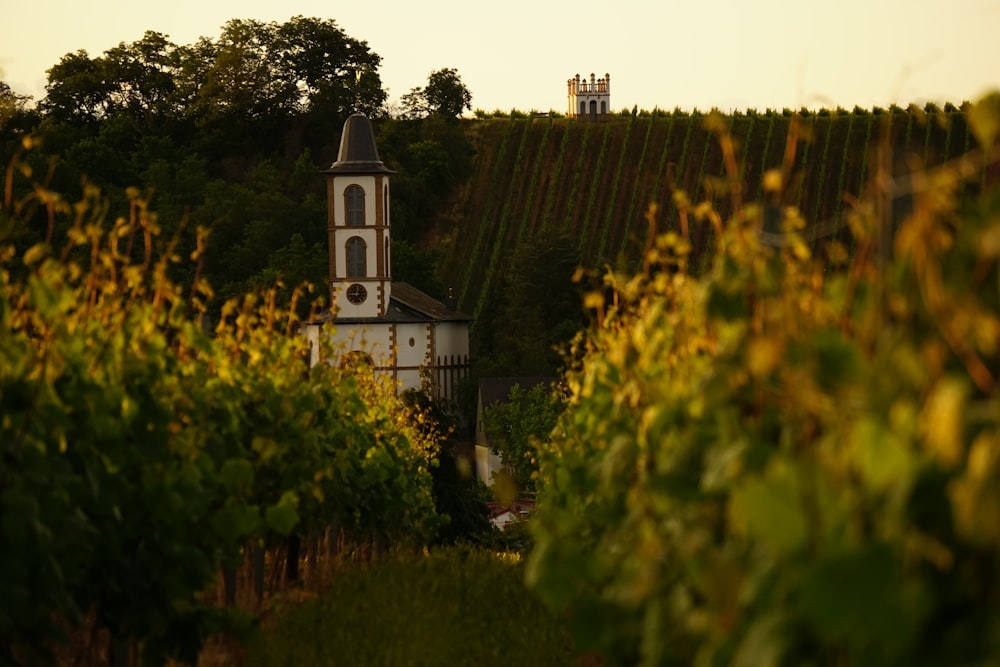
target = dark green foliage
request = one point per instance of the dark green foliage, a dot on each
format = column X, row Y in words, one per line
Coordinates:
column 226, row 134
column 418, row 268
column 483, row 220
column 431, row 156
column 460, row 500
column 444, row 95
column 535, row 313
column 518, row 424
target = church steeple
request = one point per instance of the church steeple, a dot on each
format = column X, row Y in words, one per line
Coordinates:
column 357, row 192
column 407, row 336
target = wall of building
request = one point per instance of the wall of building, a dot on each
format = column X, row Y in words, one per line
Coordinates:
column 389, row 346
column 452, row 338
column 412, row 344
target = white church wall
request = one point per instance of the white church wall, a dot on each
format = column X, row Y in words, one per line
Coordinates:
column 412, row 345
column 452, row 338
column 370, row 307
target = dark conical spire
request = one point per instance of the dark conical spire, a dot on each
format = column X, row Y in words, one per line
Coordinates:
column 358, row 153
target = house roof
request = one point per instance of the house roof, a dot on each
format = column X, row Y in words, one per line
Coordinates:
column 407, row 305
column 520, row 506
column 358, row 152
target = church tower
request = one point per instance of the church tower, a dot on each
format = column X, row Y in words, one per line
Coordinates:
column 589, row 100
column 405, row 335
column 357, row 187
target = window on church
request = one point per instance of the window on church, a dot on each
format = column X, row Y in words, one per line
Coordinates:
column 356, row 261
column 355, row 201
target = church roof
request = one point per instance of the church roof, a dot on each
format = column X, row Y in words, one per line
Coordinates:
column 358, row 152
column 408, row 305
column 408, row 296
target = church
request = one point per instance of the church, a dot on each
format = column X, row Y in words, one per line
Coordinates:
column 405, row 335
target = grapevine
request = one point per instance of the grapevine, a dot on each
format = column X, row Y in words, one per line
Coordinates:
column 594, row 186
column 556, row 173
column 143, row 450
column 483, row 227
column 529, row 203
column 781, row 461
column 635, row 190
column 577, row 170
column 615, row 184
column 519, row 159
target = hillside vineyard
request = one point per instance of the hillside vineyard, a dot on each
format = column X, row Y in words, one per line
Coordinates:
column 542, row 178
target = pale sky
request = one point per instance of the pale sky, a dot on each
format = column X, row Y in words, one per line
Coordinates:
column 730, row 54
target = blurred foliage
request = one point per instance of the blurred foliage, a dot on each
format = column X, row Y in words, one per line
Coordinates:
column 783, row 460
column 143, row 448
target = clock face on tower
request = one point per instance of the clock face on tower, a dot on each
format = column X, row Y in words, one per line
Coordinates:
column 357, row 294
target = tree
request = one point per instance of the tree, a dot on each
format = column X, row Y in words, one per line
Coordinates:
column 11, row 104
column 444, row 95
column 518, row 424
column 245, row 82
column 77, row 89
column 135, row 80
column 334, row 73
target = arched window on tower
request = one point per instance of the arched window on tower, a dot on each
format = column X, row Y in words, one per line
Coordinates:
column 593, row 109
column 357, row 265
column 583, row 108
column 354, row 200
column 388, row 264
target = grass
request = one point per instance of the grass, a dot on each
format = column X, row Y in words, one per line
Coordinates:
column 456, row 607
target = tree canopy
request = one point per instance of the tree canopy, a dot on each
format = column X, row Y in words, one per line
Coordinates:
column 226, row 133
column 517, row 426
column 444, row 95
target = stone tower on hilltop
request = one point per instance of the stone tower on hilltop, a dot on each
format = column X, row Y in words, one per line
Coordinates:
column 589, row 100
